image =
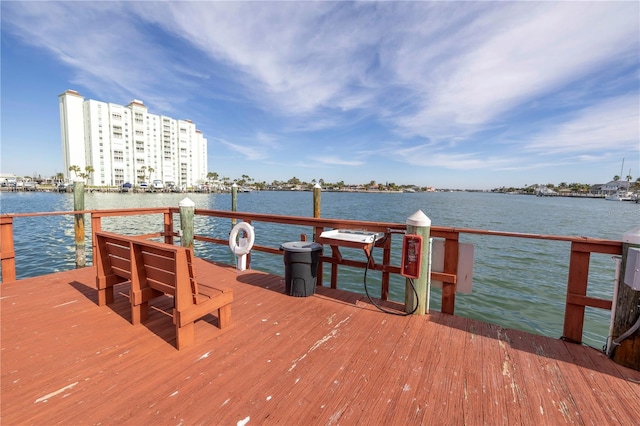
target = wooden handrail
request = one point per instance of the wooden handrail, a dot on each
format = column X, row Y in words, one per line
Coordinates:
column 576, row 294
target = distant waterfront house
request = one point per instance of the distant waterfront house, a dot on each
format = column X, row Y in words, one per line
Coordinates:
column 614, row 186
column 596, row 189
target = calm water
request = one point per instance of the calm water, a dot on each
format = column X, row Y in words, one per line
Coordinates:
column 517, row 283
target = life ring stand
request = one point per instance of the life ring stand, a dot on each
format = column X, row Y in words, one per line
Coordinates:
column 233, row 245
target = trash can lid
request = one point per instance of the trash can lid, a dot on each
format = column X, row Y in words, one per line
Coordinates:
column 301, row 246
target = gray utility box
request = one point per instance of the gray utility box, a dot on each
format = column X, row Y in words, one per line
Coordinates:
column 301, row 267
column 632, row 272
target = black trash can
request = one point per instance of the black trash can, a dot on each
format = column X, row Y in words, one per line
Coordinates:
column 301, row 267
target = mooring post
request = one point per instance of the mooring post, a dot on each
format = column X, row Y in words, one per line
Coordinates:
column 234, row 202
column 626, row 326
column 419, row 224
column 78, row 222
column 317, row 194
column 317, row 191
column 187, row 208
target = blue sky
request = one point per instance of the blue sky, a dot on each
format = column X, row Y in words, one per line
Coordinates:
column 445, row 94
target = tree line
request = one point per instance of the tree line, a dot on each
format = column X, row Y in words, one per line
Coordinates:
column 246, row 180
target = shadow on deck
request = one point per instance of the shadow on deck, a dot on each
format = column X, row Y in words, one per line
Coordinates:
column 330, row 358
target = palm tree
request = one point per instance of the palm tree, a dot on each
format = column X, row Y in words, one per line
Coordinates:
column 75, row 169
column 87, row 173
column 616, row 178
column 143, row 174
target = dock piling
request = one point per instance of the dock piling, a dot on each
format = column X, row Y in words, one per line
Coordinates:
column 626, row 350
column 79, row 232
column 317, row 191
column 234, row 202
column 187, row 209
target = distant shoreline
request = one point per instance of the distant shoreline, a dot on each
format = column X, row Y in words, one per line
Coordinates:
column 47, row 188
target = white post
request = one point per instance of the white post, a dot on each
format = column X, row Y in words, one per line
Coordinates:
column 419, row 224
column 241, row 260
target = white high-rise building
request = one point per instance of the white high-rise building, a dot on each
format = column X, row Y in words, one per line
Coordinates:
column 127, row 144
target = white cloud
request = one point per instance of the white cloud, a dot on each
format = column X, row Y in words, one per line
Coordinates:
column 454, row 161
column 336, row 161
column 525, row 51
column 249, row 152
column 104, row 48
column 431, row 75
column 608, row 126
column 286, row 54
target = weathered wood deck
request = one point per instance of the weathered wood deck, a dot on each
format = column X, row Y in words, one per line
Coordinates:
column 326, row 359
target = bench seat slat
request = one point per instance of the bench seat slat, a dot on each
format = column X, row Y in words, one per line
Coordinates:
column 209, row 291
column 152, row 260
column 118, row 249
column 121, row 267
column 160, row 275
column 157, row 249
column 161, row 286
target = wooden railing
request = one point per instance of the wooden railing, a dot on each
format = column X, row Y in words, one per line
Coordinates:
column 576, row 293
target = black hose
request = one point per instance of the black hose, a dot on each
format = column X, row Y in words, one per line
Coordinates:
column 402, row 314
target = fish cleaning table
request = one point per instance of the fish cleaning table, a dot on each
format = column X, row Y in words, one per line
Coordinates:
column 337, row 238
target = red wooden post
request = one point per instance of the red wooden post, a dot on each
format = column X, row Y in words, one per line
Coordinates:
column 386, row 260
column 7, row 253
column 168, row 227
column 316, row 233
column 96, row 226
column 576, row 285
column 185, row 331
column 450, row 267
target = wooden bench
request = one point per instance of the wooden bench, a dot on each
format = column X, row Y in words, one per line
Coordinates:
column 156, row 269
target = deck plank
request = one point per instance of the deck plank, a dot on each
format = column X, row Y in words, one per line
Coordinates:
column 331, row 358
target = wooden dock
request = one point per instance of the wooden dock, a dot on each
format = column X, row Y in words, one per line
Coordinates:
column 327, row 359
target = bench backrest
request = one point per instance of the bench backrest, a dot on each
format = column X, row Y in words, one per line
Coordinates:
column 163, row 267
column 113, row 255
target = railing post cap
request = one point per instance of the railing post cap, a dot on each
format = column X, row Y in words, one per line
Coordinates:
column 187, row 202
column 632, row 236
column 235, row 185
column 418, row 219
column 317, row 186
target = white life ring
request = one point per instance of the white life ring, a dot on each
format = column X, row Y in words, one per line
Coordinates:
column 233, row 245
